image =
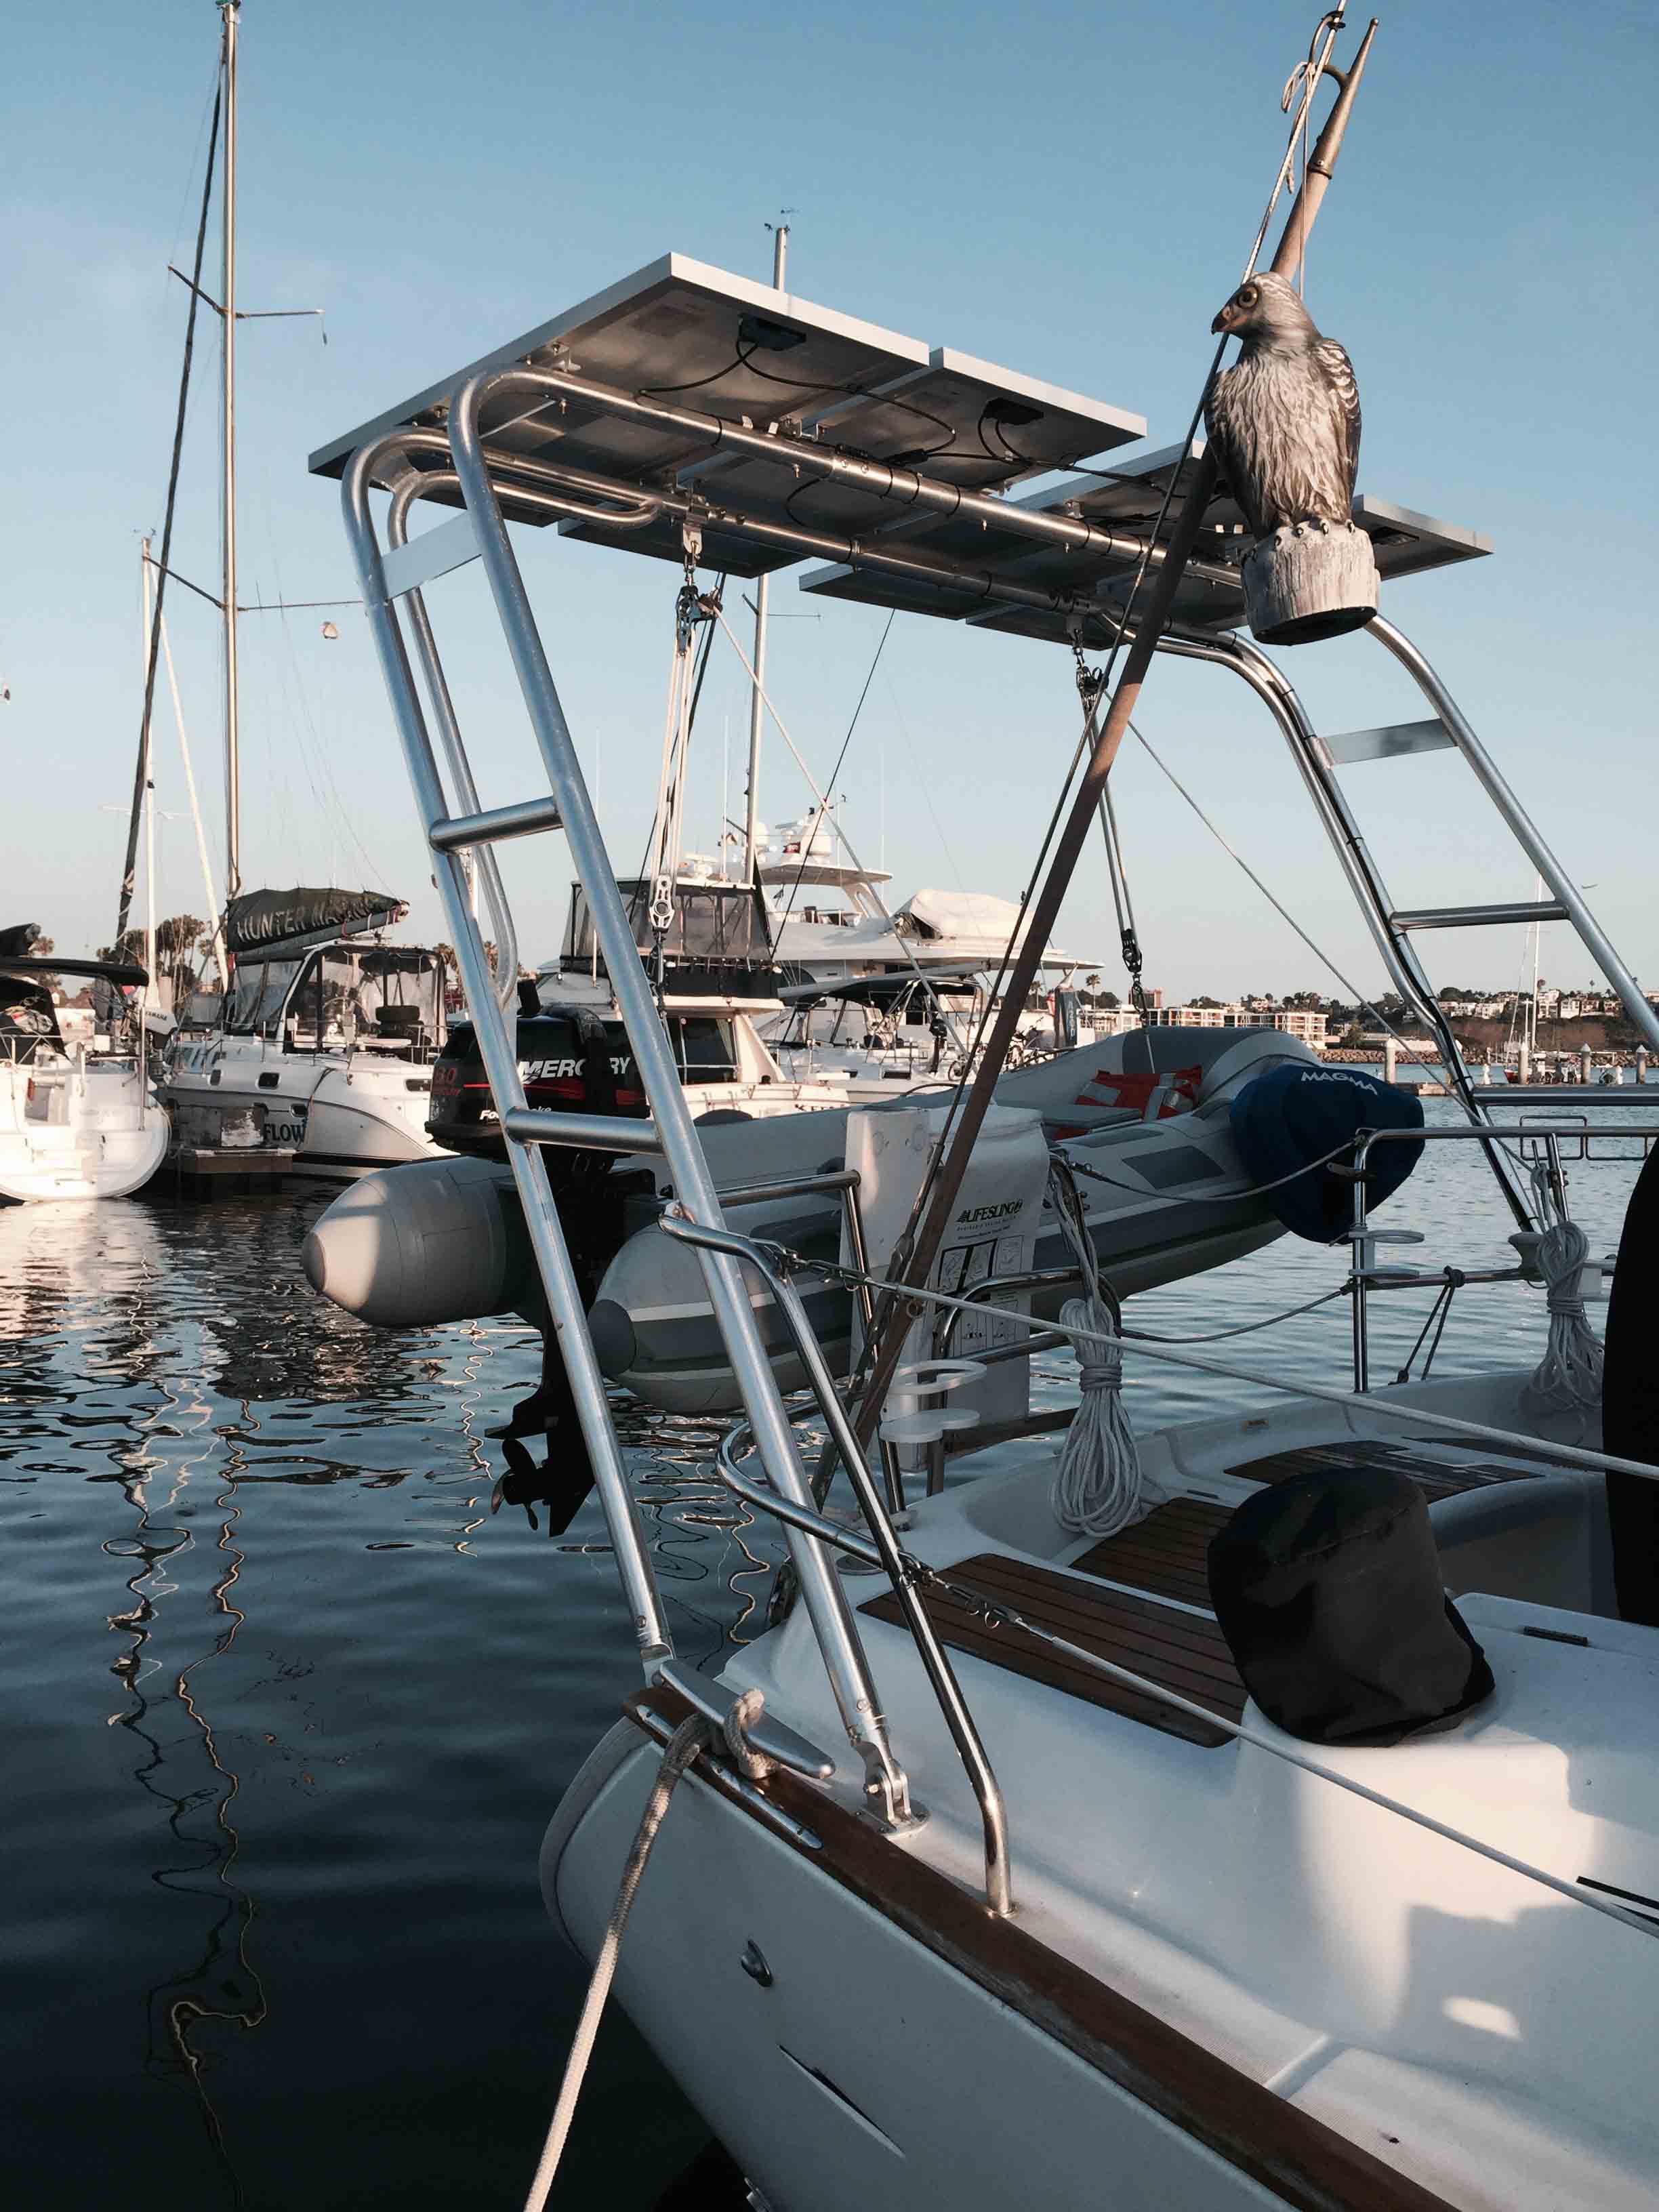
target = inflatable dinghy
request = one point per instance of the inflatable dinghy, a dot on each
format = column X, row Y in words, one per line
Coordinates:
column 1158, row 1122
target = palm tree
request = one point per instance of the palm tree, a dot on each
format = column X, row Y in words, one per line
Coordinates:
column 175, row 941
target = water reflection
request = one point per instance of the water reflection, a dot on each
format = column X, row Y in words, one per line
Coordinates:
column 181, row 1770
column 349, row 1698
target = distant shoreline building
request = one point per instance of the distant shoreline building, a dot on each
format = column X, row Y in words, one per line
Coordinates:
column 1307, row 1024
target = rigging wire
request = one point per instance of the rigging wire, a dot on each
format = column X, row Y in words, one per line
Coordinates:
column 176, row 231
column 701, row 669
column 1330, row 24
column 923, row 783
column 1404, row 1044
column 313, row 751
column 830, row 783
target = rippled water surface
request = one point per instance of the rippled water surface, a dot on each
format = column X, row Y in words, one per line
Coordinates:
column 289, row 1710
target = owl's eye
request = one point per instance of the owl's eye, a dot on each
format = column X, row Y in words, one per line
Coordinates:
column 1248, row 296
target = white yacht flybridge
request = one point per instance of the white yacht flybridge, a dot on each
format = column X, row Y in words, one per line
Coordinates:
column 827, row 916
column 1264, row 1814
column 902, row 989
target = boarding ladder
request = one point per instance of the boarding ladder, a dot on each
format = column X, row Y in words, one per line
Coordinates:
column 1392, row 927
column 462, row 841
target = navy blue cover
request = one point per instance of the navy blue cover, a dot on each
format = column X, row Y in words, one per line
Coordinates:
column 1295, row 1114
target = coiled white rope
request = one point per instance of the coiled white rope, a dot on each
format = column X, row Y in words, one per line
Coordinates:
column 1567, row 1378
column 1096, row 1485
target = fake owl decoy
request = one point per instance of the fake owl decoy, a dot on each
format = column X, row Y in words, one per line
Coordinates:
column 1284, row 419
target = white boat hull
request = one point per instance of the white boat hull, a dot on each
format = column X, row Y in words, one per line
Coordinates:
column 968, row 2105
column 77, row 1133
column 1226, row 1983
column 342, row 1116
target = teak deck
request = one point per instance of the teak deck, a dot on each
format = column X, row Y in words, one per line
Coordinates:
column 1441, row 1466
column 1164, row 1554
column 1181, row 1651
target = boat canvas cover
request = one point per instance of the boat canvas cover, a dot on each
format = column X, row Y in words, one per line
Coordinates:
column 973, row 914
column 272, row 921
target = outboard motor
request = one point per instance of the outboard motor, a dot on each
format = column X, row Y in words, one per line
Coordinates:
column 1296, row 1117
column 1328, row 1591
column 434, row 1241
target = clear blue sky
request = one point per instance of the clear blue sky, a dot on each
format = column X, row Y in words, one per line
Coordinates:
column 1067, row 190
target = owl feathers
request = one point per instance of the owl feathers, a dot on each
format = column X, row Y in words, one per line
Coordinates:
column 1284, row 419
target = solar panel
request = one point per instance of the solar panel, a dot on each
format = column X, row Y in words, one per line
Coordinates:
column 697, row 336
column 959, row 421
column 702, row 340
column 1128, row 499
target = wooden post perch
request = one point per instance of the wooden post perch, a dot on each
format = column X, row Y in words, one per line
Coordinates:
column 1309, row 581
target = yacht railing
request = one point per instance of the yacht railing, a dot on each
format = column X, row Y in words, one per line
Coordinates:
column 958, row 1720
column 1367, row 1278
column 909, row 1575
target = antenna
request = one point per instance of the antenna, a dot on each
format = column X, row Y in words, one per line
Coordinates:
column 780, row 231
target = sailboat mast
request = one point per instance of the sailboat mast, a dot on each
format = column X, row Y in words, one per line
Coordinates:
column 1532, row 1010
column 149, row 786
column 756, row 709
column 231, row 11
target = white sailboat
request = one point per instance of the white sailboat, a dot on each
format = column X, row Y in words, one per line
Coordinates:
column 78, row 1120
column 322, row 1042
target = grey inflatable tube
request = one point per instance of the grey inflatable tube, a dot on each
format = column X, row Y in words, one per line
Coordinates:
column 432, row 1241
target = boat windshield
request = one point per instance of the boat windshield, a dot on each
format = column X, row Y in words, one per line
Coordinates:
column 381, row 996
column 705, row 1050
column 258, row 992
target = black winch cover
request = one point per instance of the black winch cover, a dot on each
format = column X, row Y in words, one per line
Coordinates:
column 1327, row 1589
column 1295, row 1114
column 260, row 919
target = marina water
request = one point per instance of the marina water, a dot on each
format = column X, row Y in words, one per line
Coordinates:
column 288, row 1709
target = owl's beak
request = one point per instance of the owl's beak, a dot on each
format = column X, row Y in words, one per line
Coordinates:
column 1225, row 320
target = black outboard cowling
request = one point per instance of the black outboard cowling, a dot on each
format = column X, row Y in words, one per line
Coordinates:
column 1296, row 1115
column 1328, row 1589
